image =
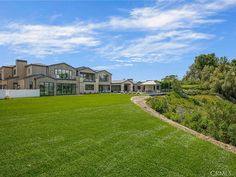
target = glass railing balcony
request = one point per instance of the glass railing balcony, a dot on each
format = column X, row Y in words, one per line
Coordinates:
column 89, row 80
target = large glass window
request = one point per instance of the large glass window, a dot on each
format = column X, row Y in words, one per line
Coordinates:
column 87, row 77
column 63, row 74
column 66, row 89
column 30, row 85
column 15, row 85
column 89, row 87
column 104, row 88
column 46, row 88
column 103, row 78
column 116, row 88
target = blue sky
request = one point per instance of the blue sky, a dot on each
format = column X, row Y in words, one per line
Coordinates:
column 132, row 39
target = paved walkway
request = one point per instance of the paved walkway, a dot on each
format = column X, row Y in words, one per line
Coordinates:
column 141, row 102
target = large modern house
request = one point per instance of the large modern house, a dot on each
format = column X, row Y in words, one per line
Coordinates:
column 56, row 79
column 63, row 79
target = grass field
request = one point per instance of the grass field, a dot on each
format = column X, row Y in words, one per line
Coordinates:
column 99, row 135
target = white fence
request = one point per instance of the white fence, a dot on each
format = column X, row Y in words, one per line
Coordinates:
column 19, row 93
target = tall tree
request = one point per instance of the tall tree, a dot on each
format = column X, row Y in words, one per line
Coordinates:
column 229, row 85
column 194, row 75
column 217, row 74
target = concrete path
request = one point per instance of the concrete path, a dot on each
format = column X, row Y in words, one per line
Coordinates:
column 141, row 102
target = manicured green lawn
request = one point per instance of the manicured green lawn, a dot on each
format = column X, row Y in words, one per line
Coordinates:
column 99, row 135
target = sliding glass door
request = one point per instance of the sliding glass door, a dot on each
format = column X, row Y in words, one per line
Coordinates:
column 104, row 88
column 46, row 88
column 66, row 89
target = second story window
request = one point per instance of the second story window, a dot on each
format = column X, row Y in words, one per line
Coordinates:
column 63, row 74
column 1, row 75
column 104, row 78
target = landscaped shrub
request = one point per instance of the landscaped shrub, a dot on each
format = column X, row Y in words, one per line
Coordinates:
column 204, row 124
column 232, row 133
column 207, row 114
column 196, row 102
column 7, row 98
column 197, row 92
column 160, row 105
column 172, row 116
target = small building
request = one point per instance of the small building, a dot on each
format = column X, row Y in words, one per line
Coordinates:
column 122, row 86
column 150, row 86
column 137, row 86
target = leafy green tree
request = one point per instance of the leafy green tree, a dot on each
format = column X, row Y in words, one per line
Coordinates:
column 229, row 84
column 167, row 82
column 170, row 78
column 233, row 62
column 216, row 74
column 205, row 63
column 206, row 60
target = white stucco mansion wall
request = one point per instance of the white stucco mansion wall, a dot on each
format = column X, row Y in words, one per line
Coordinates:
column 19, row 93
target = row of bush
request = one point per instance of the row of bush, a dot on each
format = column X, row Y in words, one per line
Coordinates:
column 193, row 87
column 206, row 114
column 197, row 92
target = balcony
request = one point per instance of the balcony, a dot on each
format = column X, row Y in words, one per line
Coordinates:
column 87, row 77
column 87, row 80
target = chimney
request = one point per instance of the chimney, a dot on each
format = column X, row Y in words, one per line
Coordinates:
column 20, row 68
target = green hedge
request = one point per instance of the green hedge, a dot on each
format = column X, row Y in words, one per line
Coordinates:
column 193, row 86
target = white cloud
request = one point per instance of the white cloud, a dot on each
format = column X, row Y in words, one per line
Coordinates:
column 42, row 40
column 161, row 47
column 54, row 17
column 181, row 16
column 160, row 33
column 113, row 66
column 171, row 31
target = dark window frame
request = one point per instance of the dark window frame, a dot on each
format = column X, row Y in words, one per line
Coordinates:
column 104, row 78
column 46, row 88
column 87, row 77
column 31, row 85
column 89, row 87
column 65, row 74
column 65, row 89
